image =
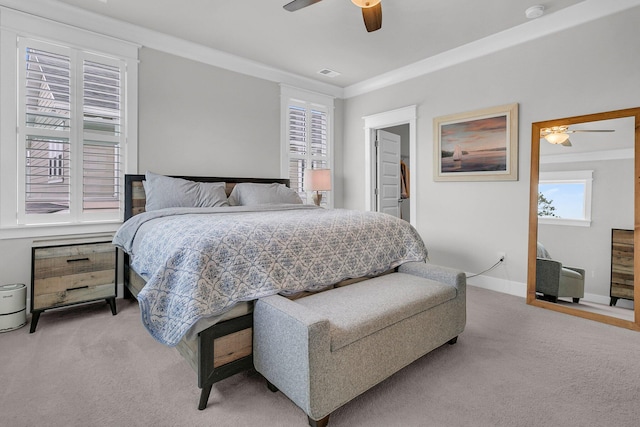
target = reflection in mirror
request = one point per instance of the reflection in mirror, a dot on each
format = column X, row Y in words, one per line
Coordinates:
column 583, row 215
column 586, row 190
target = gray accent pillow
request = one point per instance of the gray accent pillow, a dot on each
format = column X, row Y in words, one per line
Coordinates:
column 166, row 192
column 250, row 194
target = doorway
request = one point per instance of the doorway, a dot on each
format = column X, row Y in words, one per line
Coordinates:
column 405, row 119
column 392, row 170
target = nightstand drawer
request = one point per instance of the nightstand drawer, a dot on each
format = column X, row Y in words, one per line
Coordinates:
column 64, row 275
column 73, row 295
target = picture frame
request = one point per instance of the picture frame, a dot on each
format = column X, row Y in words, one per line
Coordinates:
column 479, row 145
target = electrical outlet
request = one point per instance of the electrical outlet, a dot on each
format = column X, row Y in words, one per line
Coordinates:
column 502, row 256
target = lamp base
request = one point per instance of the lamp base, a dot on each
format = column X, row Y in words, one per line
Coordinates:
column 317, row 198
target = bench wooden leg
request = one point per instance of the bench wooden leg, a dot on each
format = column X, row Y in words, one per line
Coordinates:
column 452, row 341
column 319, row 423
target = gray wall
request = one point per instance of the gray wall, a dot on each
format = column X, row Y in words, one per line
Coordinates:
column 200, row 120
column 465, row 224
column 196, row 119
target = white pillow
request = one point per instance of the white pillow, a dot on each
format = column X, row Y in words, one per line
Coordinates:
column 166, row 192
column 250, row 194
column 542, row 252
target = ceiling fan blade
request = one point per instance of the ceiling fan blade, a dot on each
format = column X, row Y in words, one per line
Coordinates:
column 567, row 143
column 590, row 130
column 299, row 4
column 372, row 17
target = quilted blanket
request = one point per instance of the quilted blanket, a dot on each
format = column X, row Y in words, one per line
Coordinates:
column 201, row 262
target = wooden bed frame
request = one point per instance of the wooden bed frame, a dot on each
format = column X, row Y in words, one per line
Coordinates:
column 223, row 349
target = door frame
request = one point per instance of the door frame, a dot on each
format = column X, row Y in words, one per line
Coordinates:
column 400, row 116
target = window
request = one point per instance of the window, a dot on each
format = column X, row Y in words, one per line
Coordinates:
column 307, row 137
column 72, row 166
column 564, row 198
column 71, row 137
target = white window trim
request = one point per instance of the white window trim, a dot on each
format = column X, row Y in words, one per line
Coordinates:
column 14, row 24
column 568, row 177
column 309, row 99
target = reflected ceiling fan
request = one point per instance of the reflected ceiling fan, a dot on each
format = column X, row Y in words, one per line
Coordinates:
column 559, row 135
column 371, row 11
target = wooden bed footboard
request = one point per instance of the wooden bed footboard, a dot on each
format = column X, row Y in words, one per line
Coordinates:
column 222, row 350
column 218, row 352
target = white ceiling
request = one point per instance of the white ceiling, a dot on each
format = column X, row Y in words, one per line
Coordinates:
column 329, row 34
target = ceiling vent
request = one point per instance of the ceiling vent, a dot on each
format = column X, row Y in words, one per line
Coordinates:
column 328, row 73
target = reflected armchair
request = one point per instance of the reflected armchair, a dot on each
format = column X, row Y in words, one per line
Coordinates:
column 554, row 280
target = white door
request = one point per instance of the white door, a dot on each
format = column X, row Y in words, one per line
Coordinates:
column 388, row 171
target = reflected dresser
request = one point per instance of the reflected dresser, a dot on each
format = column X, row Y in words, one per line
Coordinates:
column 621, row 265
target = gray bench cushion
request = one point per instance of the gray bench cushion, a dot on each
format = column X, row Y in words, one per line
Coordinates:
column 361, row 309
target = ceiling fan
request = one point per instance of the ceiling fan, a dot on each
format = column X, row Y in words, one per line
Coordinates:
column 371, row 11
column 560, row 134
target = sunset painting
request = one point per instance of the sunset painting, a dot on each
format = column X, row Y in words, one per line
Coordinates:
column 477, row 145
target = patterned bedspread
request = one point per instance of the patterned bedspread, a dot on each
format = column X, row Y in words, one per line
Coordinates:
column 201, row 262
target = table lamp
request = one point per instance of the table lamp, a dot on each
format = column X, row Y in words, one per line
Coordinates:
column 317, row 180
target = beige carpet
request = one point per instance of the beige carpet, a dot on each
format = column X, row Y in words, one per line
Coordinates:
column 514, row 365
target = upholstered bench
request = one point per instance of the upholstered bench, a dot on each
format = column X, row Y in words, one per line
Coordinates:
column 324, row 350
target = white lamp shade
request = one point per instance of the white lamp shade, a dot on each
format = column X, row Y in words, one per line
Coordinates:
column 317, row 179
column 557, row 138
column 365, row 3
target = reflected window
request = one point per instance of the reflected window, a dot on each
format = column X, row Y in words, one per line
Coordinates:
column 564, row 198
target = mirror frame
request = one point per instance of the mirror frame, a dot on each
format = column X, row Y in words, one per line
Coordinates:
column 533, row 217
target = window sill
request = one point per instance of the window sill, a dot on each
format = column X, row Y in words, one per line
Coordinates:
column 563, row 221
column 57, row 231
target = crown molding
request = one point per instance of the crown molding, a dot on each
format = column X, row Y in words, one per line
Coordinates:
column 80, row 18
column 580, row 13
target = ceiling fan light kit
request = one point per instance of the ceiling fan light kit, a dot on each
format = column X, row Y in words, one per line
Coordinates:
column 557, row 138
column 560, row 134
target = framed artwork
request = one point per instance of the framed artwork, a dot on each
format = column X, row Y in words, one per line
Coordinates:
column 477, row 146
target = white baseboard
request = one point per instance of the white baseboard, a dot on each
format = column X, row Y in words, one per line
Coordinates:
column 598, row 299
column 510, row 287
column 519, row 289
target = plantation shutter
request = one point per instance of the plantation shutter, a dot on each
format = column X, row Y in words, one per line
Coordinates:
column 308, row 144
column 102, row 117
column 297, row 148
column 47, row 122
column 73, row 133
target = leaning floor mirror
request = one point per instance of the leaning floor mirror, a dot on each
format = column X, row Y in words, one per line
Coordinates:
column 583, row 217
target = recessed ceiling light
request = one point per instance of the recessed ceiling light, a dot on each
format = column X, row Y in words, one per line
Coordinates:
column 534, row 11
column 328, row 73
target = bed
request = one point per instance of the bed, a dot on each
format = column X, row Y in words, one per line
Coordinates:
column 207, row 314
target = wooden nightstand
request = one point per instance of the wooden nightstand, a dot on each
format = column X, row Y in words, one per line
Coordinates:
column 71, row 274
